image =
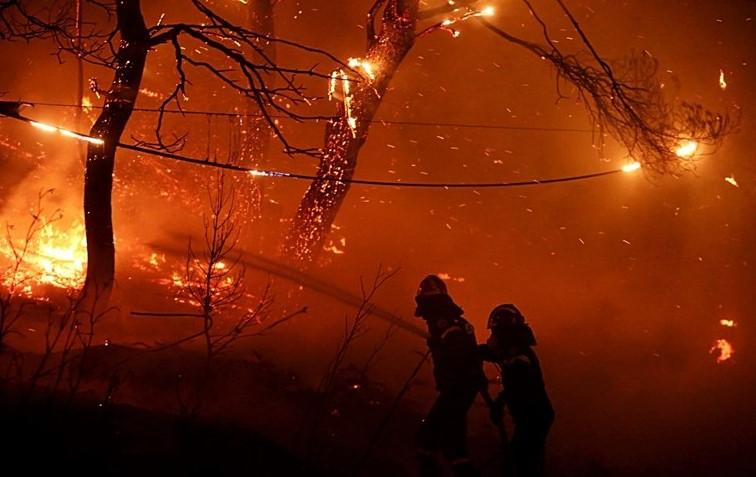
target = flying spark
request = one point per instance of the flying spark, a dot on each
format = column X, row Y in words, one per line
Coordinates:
column 731, row 180
column 722, row 82
column 727, row 323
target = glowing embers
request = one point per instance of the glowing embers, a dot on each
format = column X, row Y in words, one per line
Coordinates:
column 66, row 132
column 56, row 255
column 463, row 14
column 687, row 149
column 723, row 350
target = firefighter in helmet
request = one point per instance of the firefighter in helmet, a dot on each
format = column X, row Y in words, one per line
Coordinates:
column 459, row 377
column 510, row 347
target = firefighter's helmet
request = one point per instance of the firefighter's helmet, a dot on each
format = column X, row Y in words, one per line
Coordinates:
column 432, row 285
column 505, row 315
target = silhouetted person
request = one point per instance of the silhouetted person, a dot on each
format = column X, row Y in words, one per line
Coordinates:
column 510, row 347
column 459, row 377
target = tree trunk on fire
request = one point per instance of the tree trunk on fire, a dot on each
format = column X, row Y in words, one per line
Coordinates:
column 323, row 198
column 98, row 179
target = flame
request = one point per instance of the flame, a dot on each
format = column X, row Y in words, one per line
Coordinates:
column 686, row 149
column 340, row 77
column 461, row 15
column 156, row 259
column 259, row 173
column 632, row 167
column 66, row 132
column 487, row 11
column 722, row 82
column 43, row 127
column 86, row 104
column 364, row 65
column 724, row 350
column 56, row 256
column 447, row 277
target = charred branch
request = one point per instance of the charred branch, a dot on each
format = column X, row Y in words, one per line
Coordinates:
column 246, row 66
column 626, row 100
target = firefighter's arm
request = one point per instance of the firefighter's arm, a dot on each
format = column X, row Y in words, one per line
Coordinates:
column 485, row 394
column 486, row 353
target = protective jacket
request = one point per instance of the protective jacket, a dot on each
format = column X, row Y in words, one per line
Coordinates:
column 456, row 362
column 524, row 391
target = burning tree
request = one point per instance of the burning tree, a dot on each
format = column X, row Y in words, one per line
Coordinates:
column 346, row 133
column 240, row 62
column 625, row 100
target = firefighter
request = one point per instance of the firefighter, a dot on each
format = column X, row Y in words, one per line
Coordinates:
column 459, row 377
column 510, row 347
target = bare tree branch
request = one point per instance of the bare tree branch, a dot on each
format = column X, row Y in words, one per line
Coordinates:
column 627, row 100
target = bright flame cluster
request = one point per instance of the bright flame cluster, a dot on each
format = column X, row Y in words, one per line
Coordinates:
column 687, row 149
column 723, row 349
column 56, row 257
column 364, row 65
column 339, row 77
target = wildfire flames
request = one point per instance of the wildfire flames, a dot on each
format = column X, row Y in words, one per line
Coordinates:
column 56, row 256
column 723, row 349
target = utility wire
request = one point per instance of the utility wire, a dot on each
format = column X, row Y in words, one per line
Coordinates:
column 385, row 122
column 369, row 182
column 13, row 114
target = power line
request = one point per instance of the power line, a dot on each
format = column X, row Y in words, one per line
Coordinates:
column 11, row 111
column 369, row 182
column 385, row 122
